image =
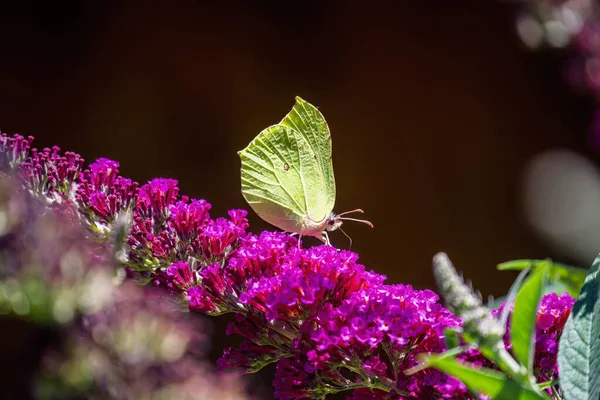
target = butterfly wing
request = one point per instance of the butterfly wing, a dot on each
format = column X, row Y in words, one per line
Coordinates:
column 310, row 124
column 278, row 170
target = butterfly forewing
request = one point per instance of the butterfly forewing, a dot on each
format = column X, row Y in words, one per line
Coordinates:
column 310, row 124
column 279, row 171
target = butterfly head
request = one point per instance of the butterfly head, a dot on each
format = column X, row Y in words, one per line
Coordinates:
column 335, row 221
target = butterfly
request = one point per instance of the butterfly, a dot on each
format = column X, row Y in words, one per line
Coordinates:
column 287, row 175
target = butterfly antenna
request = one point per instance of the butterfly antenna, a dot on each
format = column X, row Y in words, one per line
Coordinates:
column 349, row 238
column 358, row 210
column 364, row 221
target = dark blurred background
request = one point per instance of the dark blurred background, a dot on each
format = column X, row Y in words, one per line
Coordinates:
column 435, row 107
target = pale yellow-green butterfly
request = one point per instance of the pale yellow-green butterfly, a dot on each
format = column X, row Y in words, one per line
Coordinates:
column 287, row 175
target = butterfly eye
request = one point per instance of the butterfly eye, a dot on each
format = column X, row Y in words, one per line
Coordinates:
column 331, row 222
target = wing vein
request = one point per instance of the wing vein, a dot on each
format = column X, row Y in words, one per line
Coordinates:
column 281, row 157
column 304, row 192
column 272, row 201
column 277, row 177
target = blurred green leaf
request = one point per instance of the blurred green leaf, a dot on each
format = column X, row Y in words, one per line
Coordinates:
column 547, row 384
column 478, row 379
column 524, row 315
column 579, row 347
column 564, row 277
column 451, row 338
column 572, row 277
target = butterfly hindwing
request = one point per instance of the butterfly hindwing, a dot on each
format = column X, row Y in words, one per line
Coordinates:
column 279, row 174
column 305, row 119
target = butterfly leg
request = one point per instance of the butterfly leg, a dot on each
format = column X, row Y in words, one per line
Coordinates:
column 299, row 240
column 325, row 238
column 294, row 234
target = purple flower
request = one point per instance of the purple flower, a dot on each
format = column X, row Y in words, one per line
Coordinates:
column 397, row 318
column 238, row 217
column 322, row 308
column 552, row 316
column 291, row 381
column 291, row 284
column 199, row 301
column 188, row 219
column 106, row 202
column 50, row 174
column 248, row 357
column 169, row 230
column 147, row 241
column 13, row 150
column 156, row 197
column 215, row 241
column 176, row 278
column 187, row 233
column 102, row 173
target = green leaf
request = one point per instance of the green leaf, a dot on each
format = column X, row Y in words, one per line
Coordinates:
column 516, row 265
column 571, row 278
column 579, row 347
column 451, row 338
column 512, row 295
column 483, row 380
column 523, row 318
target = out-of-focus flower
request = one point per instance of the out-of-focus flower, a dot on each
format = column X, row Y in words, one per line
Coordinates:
column 50, row 271
column 140, row 346
column 116, row 341
column 572, row 24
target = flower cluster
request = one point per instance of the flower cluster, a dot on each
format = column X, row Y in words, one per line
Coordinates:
column 102, row 195
column 13, row 150
column 167, row 230
column 378, row 331
column 327, row 323
column 552, row 316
